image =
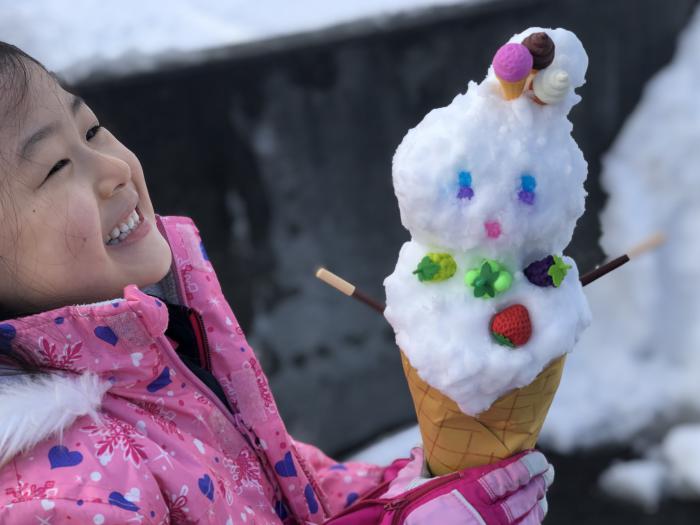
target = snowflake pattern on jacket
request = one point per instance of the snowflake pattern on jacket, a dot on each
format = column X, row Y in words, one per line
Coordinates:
column 165, row 449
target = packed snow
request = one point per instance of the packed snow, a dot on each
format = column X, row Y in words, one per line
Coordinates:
column 636, row 371
column 82, row 36
column 444, row 328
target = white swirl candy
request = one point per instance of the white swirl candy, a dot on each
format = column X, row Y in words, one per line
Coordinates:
column 551, row 85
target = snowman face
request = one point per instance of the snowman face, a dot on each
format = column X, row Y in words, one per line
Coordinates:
column 502, row 178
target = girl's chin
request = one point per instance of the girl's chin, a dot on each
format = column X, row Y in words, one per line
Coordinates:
column 144, row 262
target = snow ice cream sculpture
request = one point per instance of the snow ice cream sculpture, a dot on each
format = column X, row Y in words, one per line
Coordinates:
column 482, row 301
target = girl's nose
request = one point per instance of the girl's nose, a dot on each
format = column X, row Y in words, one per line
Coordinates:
column 493, row 229
column 112, row 174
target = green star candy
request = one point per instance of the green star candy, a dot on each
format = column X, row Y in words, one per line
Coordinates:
column 558, row 270
column 427, row 269
column 436, row 267
column 489, row 279
column 484, row 283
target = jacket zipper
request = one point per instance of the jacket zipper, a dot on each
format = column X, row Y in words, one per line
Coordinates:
column 213, row 398
column 200, row 334
column 398, row 503
column 415, row 494
column 176, row 359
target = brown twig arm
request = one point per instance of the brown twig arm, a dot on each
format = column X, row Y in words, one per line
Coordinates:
column 608, row 267
column 651, row 243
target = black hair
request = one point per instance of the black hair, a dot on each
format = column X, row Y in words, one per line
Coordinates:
column 14, row 87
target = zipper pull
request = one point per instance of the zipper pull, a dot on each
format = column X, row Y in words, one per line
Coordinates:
column 395, row 504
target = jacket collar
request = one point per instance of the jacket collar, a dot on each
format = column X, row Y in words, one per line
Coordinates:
column 74, row 341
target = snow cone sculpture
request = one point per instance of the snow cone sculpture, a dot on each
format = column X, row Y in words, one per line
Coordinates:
column 483, row 302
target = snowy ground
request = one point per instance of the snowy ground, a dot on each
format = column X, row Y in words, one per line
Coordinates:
column 80, row 36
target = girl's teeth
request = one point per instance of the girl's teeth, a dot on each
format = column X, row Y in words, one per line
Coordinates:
column 122, row 231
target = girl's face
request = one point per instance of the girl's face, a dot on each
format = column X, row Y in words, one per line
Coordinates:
column 66, row 184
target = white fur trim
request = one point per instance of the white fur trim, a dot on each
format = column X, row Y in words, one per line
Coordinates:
column 33, row 409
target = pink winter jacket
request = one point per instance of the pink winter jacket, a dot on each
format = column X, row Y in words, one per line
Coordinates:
column 128, row 434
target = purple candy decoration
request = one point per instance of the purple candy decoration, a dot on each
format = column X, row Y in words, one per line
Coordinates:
column 512, row 62
column 465, row 192
column 528, row 197
column 536, row 272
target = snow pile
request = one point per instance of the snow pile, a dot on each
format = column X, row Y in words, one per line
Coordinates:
column 486, row 178
column 673, row 468
column 646, row 327
column 81, row 36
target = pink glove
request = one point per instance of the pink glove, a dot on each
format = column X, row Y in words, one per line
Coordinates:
column 511, row 491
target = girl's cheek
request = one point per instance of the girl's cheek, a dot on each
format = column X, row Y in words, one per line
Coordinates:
column 82, row 226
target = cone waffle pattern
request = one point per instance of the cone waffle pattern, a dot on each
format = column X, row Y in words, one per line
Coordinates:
column 454, row 441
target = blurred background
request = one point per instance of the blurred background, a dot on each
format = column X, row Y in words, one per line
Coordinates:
column 273, row 125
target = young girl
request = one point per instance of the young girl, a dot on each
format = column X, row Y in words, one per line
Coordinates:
column 128, row 391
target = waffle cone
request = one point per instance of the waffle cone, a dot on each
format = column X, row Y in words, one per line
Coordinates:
column 512, row 90
column 453, row 441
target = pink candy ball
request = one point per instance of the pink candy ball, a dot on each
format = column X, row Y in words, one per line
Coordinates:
column 512, row 62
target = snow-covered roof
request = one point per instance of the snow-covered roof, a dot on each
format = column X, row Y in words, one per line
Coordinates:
column 78, row 37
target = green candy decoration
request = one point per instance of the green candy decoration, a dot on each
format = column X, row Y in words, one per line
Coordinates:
column 436, row 267
column 558, row 270
column 490, row 279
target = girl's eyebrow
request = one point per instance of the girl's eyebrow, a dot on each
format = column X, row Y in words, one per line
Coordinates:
column 29, row 145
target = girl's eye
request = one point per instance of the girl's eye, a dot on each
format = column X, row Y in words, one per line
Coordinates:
column 57, row 167
column 528, row 183
column 92, row 132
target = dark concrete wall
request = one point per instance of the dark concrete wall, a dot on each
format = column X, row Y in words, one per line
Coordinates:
column 281, row 151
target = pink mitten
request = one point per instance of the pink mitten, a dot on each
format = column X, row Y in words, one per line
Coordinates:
column 511, row 491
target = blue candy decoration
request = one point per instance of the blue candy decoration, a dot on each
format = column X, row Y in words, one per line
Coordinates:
column 465, row 179
column 60, row 456
column 339, row 466
column 285, row 468
column 311, row 499
column 161, row 381
column 206, row 486
column 7, row 334
column 59, row 320
column 107, row 335
column 118, row 500
column 528, row 182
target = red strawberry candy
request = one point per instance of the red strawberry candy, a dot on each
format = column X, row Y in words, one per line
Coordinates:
column 511, row 327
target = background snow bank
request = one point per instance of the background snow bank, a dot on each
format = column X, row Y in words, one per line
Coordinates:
column 80, row 36
column 636, row 372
